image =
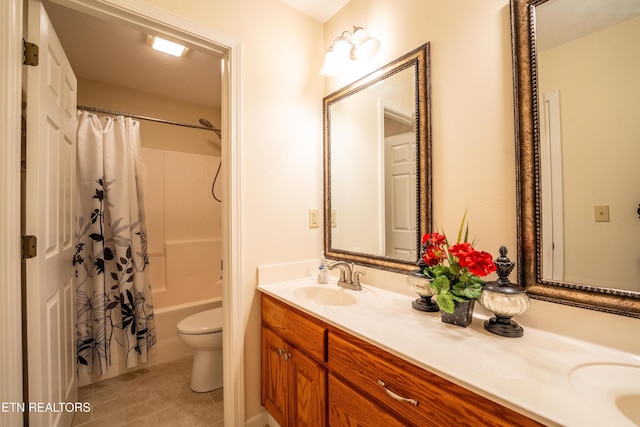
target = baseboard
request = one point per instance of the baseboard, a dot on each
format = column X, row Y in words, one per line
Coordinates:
column 260, row 420
column 272, row 422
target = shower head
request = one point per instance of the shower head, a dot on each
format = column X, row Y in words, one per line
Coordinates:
column 206, row 123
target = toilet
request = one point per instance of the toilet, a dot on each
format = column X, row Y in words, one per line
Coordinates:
column 203, row 332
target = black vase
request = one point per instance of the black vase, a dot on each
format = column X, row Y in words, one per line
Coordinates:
column 462, row 314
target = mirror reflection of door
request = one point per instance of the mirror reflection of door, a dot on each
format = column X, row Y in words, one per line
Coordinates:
column 377, row 193
column 399, row 186
column 359, row 124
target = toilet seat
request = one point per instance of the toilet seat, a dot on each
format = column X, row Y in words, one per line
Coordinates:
column 205, row 322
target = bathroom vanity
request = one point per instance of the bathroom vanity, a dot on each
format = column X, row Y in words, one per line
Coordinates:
column 332, row 356
column 314, row 373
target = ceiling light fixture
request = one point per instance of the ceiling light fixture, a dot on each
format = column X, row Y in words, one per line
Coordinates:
column 166, row 46
column 347, row 47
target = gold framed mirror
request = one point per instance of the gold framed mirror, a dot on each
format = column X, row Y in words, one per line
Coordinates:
column 542, row 102
column 377, row 165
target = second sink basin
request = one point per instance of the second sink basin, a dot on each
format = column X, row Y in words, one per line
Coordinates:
column 612, row 388
column 325, row 296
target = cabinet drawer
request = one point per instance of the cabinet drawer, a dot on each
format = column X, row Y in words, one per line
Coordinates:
column 438, row 402
column 296, row 327
column 347, row 407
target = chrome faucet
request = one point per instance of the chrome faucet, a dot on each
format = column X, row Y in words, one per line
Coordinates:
column 349, row 278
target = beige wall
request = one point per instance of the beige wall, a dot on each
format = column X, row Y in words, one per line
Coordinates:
column 600, row 151
column 156, row 135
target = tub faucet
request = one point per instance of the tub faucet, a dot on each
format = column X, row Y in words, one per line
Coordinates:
column 349, row 278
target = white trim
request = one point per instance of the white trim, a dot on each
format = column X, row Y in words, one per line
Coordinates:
column 232, row 278
column 10, row 292
column 261, row 419
column 142, row 15
column 382, row 238
column 551, row 184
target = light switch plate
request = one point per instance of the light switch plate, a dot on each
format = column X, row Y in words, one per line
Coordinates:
column 334, row 219
column 314, row 218
column 601, row 213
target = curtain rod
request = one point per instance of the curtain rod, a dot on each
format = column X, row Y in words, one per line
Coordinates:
column 151, row 119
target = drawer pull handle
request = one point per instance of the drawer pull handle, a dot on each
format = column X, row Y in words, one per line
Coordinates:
column 395, row 396
column 282, row 352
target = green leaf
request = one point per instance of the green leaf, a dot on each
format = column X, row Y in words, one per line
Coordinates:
column 441, row 284
column 455, row 268
column 445, row 302
column 458, row 299
column 468, row 291
column 464, row 218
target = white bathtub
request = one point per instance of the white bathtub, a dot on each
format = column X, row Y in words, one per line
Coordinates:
column 168, row 347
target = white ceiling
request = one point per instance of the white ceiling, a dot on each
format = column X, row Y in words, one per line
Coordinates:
column 117, row 54
column 320, row 10
column 558, row 22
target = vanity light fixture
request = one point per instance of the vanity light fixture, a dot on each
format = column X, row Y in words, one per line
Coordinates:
column 167, row 46
column 349, row 46
column 504, row 299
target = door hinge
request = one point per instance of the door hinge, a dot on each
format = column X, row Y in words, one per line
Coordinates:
column 30, row 53
column 29, row 247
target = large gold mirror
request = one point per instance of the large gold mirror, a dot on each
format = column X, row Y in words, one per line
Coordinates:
column 577, row 100
column 377, row 174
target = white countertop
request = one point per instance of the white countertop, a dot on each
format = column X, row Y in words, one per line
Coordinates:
column 529, row 374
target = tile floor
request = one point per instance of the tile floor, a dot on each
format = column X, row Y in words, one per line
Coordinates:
column 157, row 396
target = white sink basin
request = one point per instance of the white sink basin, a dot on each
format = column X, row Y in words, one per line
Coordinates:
column 611, row 388
column 325, row 296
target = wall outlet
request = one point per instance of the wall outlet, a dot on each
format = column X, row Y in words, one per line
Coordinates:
column 601, row 213
column 314, row 218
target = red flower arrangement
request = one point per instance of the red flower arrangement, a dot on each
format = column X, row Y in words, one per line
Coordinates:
column 460, row 280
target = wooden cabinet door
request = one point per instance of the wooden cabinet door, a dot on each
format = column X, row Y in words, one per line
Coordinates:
column 275, row 387
column 308, row 391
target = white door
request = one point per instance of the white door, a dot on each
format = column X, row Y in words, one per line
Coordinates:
column 400, row 196
column 50, row 183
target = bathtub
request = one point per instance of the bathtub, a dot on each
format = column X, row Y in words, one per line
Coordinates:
column 168, row 346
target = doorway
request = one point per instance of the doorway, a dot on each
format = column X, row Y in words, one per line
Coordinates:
column 150, row 18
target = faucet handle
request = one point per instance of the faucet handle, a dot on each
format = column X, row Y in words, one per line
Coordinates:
column 341, row 266
column 356, row 277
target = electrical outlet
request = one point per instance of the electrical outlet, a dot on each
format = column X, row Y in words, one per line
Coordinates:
column 334, row 220
column 601, row 213
column 314, row 218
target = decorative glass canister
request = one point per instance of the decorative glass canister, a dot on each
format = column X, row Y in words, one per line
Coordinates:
column 504, row 299
column 421, row 284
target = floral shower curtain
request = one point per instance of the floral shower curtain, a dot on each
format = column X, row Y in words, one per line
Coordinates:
column 113, row 294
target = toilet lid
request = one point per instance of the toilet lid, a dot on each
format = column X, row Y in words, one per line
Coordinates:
column 205, row 322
